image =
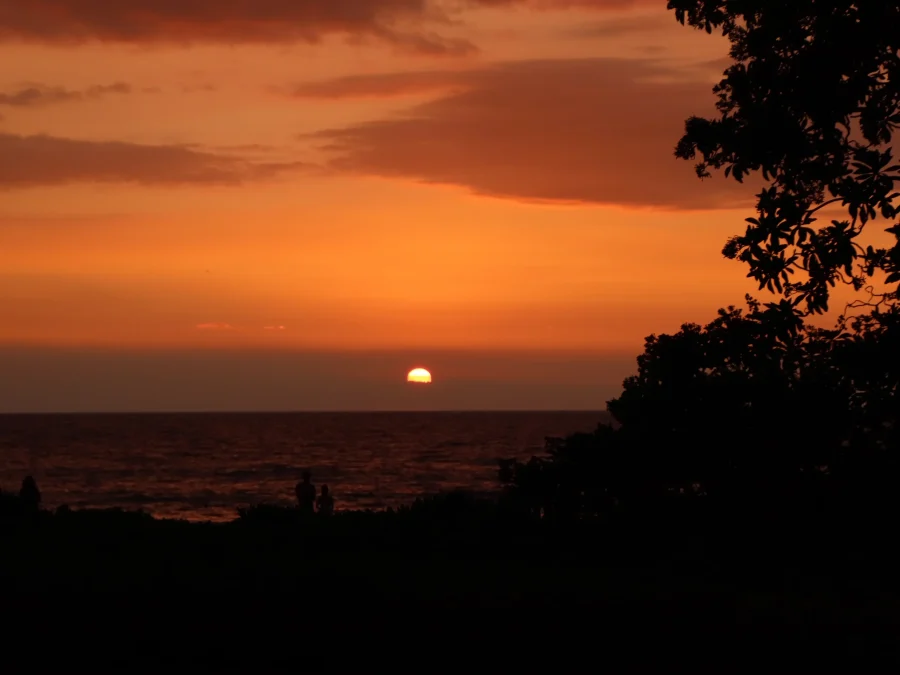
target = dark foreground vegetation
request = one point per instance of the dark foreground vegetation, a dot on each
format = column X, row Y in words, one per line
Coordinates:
column 456, row 582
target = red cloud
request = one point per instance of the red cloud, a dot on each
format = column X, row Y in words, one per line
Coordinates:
column 41, row 94
column 596, row 130
column 27, row 161
column 382, row 85
column 252, row 21
column 245, row 21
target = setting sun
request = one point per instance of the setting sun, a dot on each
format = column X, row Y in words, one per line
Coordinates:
column 419, row 375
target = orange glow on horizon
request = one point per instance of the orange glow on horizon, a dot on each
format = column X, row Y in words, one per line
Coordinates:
column 357, row 194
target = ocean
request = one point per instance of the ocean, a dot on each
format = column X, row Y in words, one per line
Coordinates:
column 205, row 466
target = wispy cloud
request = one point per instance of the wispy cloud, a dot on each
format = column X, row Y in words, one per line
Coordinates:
column 381, row 85
column 205, row 87
column 401, row 23
column 236, row 21
column 623, row 25
column 214, row 326
column 42, row 94
column 222, row 326
column 27, row 161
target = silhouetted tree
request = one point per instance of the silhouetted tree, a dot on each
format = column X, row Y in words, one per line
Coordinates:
column 585, row 474
column 755, row 406
column 811, row 101
column 708, row 404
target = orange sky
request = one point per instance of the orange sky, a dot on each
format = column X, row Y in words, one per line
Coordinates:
column 367, row 176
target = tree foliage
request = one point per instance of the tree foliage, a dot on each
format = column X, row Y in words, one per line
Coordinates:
column 811, row 101
column 749, row 405
column 759, row 404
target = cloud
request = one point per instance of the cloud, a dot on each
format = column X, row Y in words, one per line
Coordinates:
column 42, row 94
column 194, row 88
column 592, row 131
column 220, row 326
column 381, row 85
column 398, row 22
column 624, row 25
column 235, row 21
column 27, row 161
column 214, row 326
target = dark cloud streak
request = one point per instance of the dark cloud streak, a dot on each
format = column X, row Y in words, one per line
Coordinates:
column 42, row 94
column 397, row 22
column 381, row 85
column 625, row 25
column 30, row 161
column 214, row 21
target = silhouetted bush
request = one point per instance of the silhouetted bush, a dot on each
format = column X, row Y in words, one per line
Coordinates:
column 14, row 507
column 269, row 514
column 755, row 411
column 103, row 518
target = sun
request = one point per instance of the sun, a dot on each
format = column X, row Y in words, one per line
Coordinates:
column 419, row 375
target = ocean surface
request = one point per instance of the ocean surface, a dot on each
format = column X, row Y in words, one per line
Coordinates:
column 205, row 466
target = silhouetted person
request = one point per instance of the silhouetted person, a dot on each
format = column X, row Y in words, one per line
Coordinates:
column 325, row 502
column 306, row 493
column 29, row 494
